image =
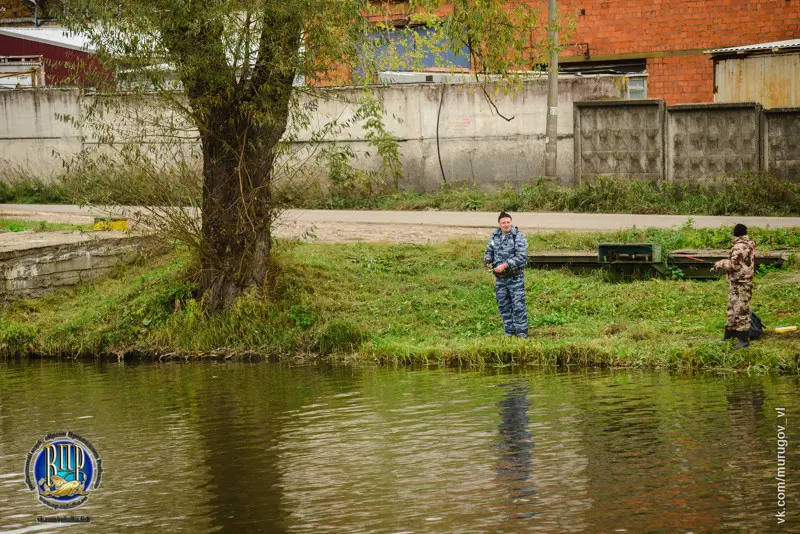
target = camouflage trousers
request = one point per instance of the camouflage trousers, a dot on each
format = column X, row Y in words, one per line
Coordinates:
column 739, row 306
column 510, row 293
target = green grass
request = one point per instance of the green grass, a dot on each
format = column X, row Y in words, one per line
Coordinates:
column 21, row 225
column 27, row 190
column 410, row 304
column 746, row 194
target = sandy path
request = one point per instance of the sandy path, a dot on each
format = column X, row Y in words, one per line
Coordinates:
column 347, row 226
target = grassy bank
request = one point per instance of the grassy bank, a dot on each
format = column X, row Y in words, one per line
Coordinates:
column 747, row 194
column 23, row 225
column 415, row 304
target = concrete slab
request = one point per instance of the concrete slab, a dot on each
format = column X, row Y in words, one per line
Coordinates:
column 16, row 241
column 34, row 264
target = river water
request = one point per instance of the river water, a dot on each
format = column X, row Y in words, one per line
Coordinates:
column 240, row 447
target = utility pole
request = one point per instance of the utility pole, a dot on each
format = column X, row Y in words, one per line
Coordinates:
column 35, row 13
column 551, row 147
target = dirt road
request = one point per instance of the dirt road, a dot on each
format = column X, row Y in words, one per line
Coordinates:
column 343, row 226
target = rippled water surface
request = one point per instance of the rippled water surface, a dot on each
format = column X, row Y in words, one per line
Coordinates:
column 273, row 448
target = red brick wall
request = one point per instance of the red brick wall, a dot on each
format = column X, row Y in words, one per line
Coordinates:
column 681, row 80
column 670, row 34
column 623, row 26
column 653, row 28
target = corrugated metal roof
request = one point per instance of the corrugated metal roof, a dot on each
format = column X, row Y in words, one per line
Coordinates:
column 53, row 36
column 780, row 45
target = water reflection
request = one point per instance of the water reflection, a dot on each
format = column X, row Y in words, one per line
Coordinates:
column 515, row 465
column 245, row 478
column 274, row 448
column 748, row 428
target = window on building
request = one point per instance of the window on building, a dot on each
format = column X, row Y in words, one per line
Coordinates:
column 414, row 48
column 617, row 66
column 637, row 86
column 634, row 69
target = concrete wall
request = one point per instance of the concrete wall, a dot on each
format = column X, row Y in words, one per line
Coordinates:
column 30, row 131
column 33, row 270
column 643, row 139
column 474, row 142
column 622, row 138
column 781, row 142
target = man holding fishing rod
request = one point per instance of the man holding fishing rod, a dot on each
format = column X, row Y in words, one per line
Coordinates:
column 506, row 257
column 740, row 267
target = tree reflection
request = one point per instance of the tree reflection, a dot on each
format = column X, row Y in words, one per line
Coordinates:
column 241, row 430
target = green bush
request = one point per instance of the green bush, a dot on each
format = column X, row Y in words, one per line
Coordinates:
column 746, row 194
column 11, row 226
column 301, row 316
column 25, row 190
column 348, row 188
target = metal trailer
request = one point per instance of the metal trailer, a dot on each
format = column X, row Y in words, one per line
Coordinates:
column 643, row 259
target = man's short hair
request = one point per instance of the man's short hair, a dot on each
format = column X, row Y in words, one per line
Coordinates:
column 503, row 215
column 739, row 230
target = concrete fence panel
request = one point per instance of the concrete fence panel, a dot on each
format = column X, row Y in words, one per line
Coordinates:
column 619, row 138
column 712, row 140
column 781, row 142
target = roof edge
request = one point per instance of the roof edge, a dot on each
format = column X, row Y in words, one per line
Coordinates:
column 788, row 44
column 8, row 32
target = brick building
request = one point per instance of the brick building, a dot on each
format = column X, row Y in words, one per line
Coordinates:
column 670, row 36
column 666, row 39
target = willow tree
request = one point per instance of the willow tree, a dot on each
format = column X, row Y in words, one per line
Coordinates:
column 236, row 65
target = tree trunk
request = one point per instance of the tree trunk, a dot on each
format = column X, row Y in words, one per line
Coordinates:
column 237, row 206
column 241, row 121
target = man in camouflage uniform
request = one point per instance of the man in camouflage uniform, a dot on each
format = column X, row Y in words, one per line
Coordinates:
column 507, row 255
column 740, row 266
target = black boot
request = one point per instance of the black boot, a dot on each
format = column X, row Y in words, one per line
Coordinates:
column 744, row 339
column 729, row 334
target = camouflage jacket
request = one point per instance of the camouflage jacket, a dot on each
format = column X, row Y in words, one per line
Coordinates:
column 741, row 262
column 511, row 248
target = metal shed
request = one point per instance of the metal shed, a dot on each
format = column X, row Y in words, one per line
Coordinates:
column 768, row 73
column 57, row 46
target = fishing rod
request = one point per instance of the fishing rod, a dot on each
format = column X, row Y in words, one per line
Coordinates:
column 684, row 255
